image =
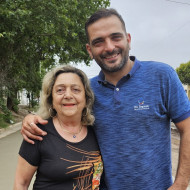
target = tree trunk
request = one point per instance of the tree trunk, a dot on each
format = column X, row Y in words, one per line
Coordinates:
column 10, row 104
column 12, row 101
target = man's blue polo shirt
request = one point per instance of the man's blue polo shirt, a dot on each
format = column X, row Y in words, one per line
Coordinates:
column 133, row 125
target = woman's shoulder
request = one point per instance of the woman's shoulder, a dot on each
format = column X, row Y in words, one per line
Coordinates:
column 90, row 128
column 91, row 131
column 47, row 127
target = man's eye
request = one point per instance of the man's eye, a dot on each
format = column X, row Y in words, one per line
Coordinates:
column 97, row 43
column 116, row 37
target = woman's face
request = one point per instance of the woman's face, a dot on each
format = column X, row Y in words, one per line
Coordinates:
column 68, row 95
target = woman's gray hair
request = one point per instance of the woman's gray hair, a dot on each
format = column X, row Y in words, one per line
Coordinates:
column 46, row 110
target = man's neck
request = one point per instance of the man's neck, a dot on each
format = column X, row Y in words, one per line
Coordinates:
column 114, row 77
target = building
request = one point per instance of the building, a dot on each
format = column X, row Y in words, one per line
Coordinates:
column 187, row 90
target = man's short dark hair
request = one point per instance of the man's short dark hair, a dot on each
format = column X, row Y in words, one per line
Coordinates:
column 102, row 13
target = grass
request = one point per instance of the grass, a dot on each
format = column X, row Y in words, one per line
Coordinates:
column 16, row 117
column 3, row 124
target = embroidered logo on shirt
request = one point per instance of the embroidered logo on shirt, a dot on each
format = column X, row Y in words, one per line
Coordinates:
column 141, row 105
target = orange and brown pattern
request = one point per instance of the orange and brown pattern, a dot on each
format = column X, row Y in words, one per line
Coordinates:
column 90, row 169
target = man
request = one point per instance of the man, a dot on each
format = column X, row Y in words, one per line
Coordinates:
column 134, row 104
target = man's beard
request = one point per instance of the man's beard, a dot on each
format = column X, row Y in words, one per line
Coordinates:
column 116, row 68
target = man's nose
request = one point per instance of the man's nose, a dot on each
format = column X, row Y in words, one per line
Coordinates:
column 109, row 46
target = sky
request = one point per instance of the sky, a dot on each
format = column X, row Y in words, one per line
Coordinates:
column 160, row 31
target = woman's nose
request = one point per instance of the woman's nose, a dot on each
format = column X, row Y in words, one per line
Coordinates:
column 67, row 94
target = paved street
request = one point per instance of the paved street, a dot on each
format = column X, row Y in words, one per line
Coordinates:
column 9, row 147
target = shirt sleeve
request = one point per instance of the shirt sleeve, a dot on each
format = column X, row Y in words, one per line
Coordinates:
column 178, row 103
column 30, row 152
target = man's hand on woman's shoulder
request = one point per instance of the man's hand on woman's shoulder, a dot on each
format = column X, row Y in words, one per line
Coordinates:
column 30, row 130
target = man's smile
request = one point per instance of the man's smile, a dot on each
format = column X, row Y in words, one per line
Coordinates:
column 111, row 56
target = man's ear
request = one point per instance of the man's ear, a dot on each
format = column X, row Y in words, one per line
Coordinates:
column 88, row 48
column 129, row 40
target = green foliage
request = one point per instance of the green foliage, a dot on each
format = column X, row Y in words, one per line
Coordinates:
column 35, row 33
column 35, row 30
column 183, row 72
column 3, row 124
column 34, row 103
column 5, row 115
column 15, row 105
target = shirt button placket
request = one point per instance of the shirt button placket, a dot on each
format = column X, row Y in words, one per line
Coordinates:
column 117, row 95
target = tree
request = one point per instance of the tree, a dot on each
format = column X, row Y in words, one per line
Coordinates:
column 183, row 72
column 34, row 33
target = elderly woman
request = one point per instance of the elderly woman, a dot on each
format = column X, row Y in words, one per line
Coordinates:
column 68, row 157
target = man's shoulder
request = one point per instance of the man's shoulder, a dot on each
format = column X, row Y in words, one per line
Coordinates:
column 93, row 81
column 156, row 66
column 94, row 78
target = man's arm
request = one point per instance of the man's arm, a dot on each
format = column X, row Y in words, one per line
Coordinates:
column 30, row 130
column 183, row 172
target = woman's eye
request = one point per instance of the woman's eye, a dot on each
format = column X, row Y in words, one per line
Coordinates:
column 60, row 91
column 76, row 90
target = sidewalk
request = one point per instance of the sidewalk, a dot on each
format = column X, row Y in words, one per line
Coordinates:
column 9, row 130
